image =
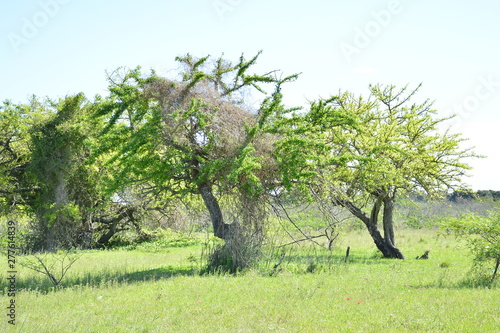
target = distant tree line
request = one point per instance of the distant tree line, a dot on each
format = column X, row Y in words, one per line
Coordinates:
column 473, row 195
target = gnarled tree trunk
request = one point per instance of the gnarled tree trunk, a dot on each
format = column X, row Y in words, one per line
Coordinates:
column 221, row 229
column 389, row 228
column 386, row 243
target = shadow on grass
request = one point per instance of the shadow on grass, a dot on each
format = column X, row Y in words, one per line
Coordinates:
column 300, row 263
column 336, row 258
column 466, row 283
column 42, row 284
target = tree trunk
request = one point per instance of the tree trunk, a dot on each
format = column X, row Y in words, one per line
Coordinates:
column 221, row 229
column 496, row 269
column 384, row 244
column 389, row 228
column 107, row 236
column 386, row 247
column 112, row 224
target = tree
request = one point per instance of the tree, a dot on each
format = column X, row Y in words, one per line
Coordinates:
column 196, row 136
column 49, row 173
column 67, row 186
column 364, row 152
column 16, row 121
column 71, row 205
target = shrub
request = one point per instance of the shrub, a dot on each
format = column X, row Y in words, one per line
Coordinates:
column 482, row 235
column 237, row 253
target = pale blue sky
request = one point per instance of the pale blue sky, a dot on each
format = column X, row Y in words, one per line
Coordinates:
column 59, row 47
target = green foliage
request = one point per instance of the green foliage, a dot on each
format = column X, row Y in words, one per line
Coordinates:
column 482, row 234
column 397, row 145
column 60, row 180
column 16, row 121
column 68, row 188
column 307, row 145
column 177, row 135
column 243, row 172
column 69, row 211
column 380, row 144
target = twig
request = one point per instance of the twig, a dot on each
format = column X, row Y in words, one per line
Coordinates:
column 275, row 267
column 48, row 271
column 303, row 239
column 310, row 238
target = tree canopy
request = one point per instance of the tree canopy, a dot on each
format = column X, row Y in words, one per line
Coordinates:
column 196, row 134
column 361, row 152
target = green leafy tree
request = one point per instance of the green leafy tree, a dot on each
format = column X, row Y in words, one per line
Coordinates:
column 16, row 121
column 50, row 177
column 198, row 135
column 365, row 152
column 57, row 167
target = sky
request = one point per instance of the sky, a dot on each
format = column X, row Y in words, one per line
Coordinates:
column 56, row 48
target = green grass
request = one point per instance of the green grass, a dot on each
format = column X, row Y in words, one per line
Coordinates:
column 158, row 289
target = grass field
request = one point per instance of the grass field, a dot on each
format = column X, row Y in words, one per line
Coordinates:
column 157, row 287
